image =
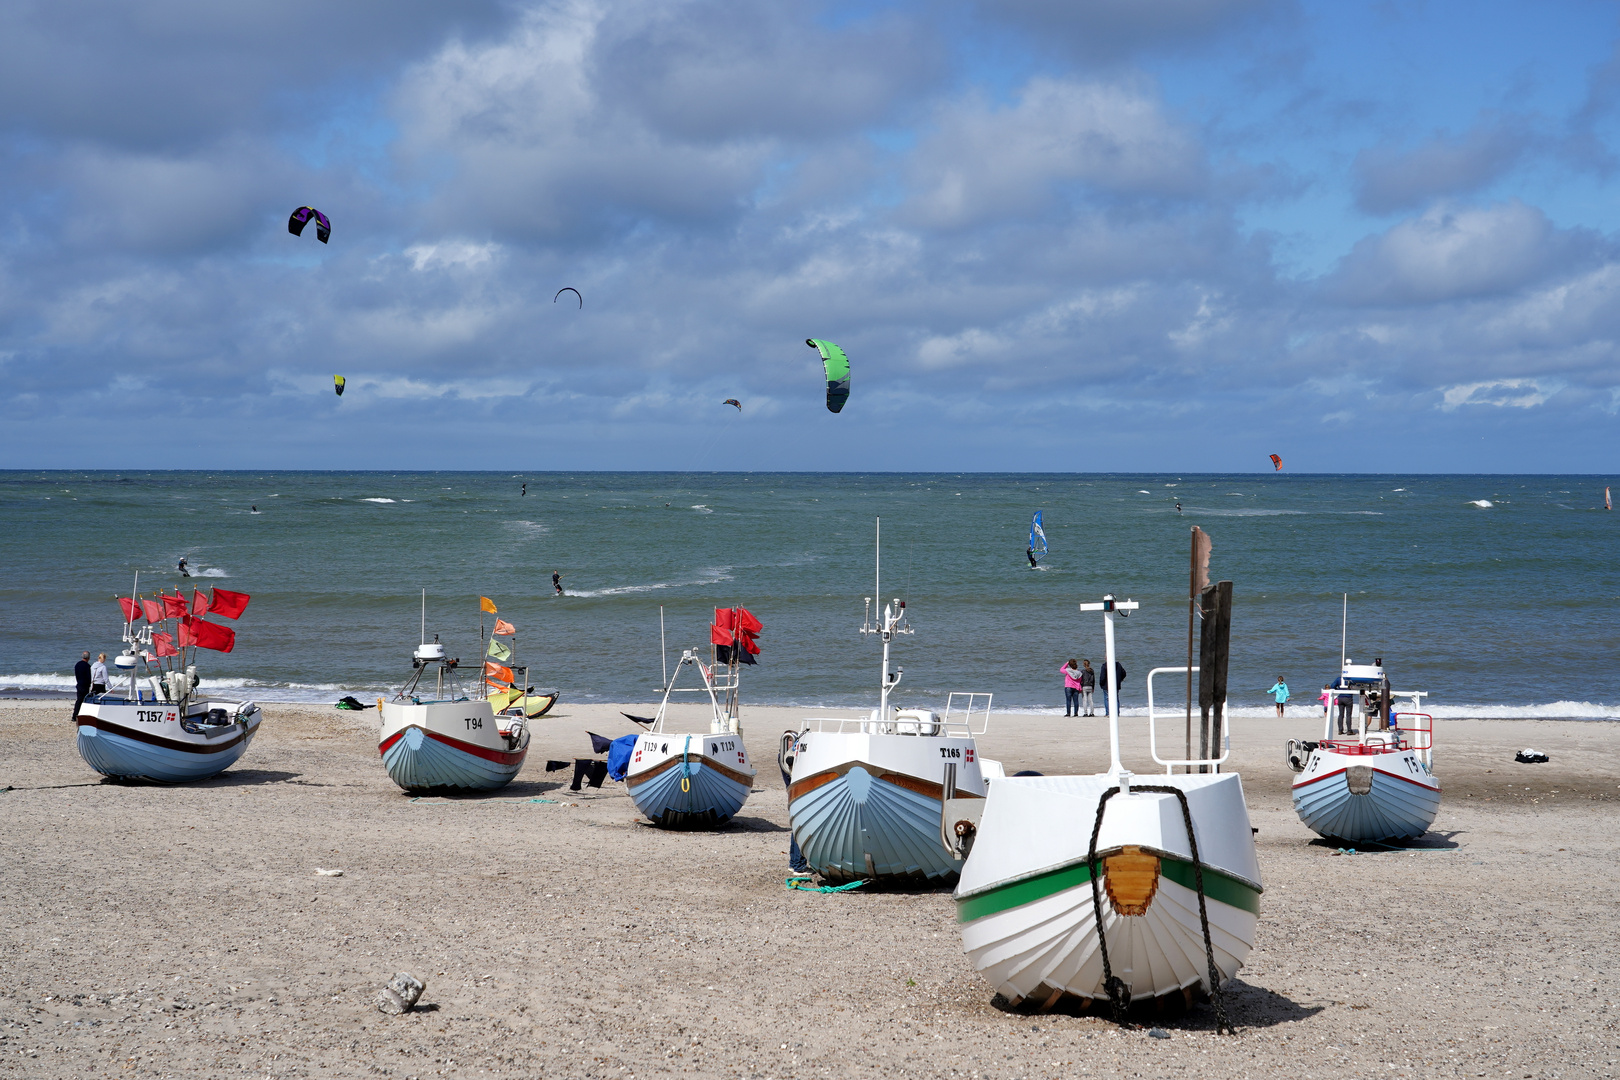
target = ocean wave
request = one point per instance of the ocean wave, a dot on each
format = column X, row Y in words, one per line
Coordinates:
column 212, row 571
column 712, row 577
column 1483, row 504
column 379, row 500
column 701, row 508
column 533, row 527
column 1249, row 513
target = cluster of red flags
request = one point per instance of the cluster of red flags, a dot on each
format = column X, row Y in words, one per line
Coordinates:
column 736, row 626
column 194, row 629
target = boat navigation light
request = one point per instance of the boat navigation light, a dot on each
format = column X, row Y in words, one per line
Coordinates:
column 1108, row 602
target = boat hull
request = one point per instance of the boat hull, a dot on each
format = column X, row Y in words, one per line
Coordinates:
column 866, row 806
column 450, row 745
column 154, row 741
column 1025, row 903
column 689, row 781
column 1373, row 797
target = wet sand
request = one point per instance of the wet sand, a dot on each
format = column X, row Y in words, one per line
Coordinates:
column 153, row 931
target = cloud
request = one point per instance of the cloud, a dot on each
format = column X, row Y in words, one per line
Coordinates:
column 1502, row 393
column 984, row 162
column 1453, row 253
column 1390, row 178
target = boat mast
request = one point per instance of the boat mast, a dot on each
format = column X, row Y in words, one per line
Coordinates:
column 1108, row 606
column 1344, row 629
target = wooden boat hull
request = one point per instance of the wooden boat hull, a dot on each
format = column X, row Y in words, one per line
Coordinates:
column 450, row 745
column 1025, row 903
column 867, row 805
column 154, row 741
column 1373, row 797
column 689, row 781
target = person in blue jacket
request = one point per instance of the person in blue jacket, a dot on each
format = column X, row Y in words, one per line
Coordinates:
column 1279, row 690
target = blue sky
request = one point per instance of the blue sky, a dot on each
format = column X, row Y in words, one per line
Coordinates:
column 1079, row 235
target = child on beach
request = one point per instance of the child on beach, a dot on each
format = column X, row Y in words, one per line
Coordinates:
column 1279, row 690
column 1088, row 686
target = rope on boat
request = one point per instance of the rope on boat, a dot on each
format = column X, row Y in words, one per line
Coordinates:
column 1118, row 993
column 802, row 884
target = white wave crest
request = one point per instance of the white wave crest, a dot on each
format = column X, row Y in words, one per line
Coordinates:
column 1483, row 504
column 709, row 577
column 702, row 509
column 212, row 571
column 534, row 528
column 379, row 500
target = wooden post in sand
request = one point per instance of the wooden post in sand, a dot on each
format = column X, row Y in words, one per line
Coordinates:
column 1197, row 582
column 1213, row 648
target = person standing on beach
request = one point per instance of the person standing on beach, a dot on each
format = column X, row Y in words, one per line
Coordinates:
column 98, row 675
column 556, row 582
column 1071, row 688
column 1118, row 681
column 81, row 683
column 1279, row 690
column 1088, row 685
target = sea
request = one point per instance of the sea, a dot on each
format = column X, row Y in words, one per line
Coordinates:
column 1495, row 594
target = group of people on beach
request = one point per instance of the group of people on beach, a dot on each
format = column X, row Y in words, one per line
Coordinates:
column 1080, row 683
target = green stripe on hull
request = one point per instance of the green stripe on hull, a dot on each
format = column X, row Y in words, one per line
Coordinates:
column 1217, row 886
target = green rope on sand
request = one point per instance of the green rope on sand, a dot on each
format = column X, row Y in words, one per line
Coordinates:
column 801, row 885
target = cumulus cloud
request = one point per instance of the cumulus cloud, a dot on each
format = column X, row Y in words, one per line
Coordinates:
column 983, row 162
column 1390, row 177
column 1452, row 253
column 1502, row 393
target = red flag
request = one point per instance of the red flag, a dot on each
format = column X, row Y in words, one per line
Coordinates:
column 153, row 609
column 229, row 604
column 163, row 644
column 749, row 645
column 199, row 603
column 206, row 635
column 749, row 624
column 173, row 606
column 495, row 671
column 132, row 610
column 719, row 636
column 503, row 627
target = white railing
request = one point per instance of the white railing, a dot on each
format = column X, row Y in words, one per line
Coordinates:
column 957, row 723
column 1153, row 740
column 969, row 709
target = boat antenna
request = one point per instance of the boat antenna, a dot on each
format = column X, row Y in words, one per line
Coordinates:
column 663, row 649
column 1344, row 629
column 424, row 618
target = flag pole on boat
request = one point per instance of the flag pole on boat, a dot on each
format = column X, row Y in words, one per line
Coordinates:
column 1344, row 629
column 1108, row 607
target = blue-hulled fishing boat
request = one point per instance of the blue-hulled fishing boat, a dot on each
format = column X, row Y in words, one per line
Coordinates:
column 438, row 737
column 1371, row 776
column 865, row 794
column 151, row 723
column 694, row 780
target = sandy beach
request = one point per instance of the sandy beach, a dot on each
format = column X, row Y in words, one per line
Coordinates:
column 184, row 932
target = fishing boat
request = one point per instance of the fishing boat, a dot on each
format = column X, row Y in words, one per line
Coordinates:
column 436, row 736
column 698, row 780
column 864, row 793
column 1101, row 888
column 1370, row 778
column 153, row 723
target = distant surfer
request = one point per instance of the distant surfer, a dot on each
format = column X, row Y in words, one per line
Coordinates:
column 1178, row 506
column 525, row 490
column 556, row 582
column 255, row 509
column 181, row 566
column 1029, row 553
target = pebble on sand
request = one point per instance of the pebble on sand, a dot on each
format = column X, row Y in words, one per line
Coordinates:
column 402, row 992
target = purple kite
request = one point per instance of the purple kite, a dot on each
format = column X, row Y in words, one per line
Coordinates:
column 300, row 218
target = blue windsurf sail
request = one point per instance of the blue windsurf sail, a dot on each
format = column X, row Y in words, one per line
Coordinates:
column 1037, row 535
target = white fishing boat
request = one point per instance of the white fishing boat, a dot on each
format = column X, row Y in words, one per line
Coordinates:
column 1370, row 778
column 1102, row 888
column 436, row 736
column 865, row 793
column 153, row 723
column 699, row 780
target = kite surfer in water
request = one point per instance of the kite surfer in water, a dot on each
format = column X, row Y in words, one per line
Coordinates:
column 181, row 566
column 556, row 582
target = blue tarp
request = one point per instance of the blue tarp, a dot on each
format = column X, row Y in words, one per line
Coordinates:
column 619, row 756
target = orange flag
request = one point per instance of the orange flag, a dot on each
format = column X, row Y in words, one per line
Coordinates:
column 487, row 604
column 503, row 627
column 496, row 671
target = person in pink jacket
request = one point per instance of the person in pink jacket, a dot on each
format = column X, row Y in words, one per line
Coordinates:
column 1071, row 688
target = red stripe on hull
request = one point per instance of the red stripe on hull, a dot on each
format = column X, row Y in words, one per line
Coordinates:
column 499, row 757
column 1381, row 772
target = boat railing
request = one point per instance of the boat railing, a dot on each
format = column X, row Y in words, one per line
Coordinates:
column 1416, row 733
column 954, row 724
column 1153, row 740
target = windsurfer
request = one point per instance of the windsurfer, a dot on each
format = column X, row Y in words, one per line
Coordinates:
column 556, row 582
column 1029, row 553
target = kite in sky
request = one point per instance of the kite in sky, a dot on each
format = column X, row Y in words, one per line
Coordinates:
column 733, row 401
column 300, row 218
column 837, row 365
column 569, row 288
column 338, row 383
column 1276, row 462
